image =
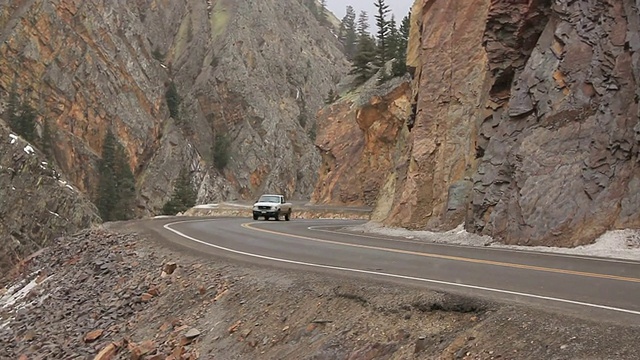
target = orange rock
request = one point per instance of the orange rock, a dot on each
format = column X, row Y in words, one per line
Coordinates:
column 233, row 328
column 137, row 351
column 220, row 295
column 177, row 352
column 93, row 335
column 154, row 291
column 107, row 352
column 146, row 297
column 170, row 267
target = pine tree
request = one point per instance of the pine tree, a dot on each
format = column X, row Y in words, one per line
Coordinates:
column 363, row 24
column 348, row 35
column 13, row 105
column 125, row 186
column 173, row 101
column 332, row 96
column 400, row 65
column 221, row 151
column 323, row 15
column 27, row 122
column 107, row 193
column 183, row 197
column 383, row 51
column 116, row 183
column 47, row 139
column 362, row 63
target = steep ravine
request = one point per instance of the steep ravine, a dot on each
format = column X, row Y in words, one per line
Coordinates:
column 525, row 125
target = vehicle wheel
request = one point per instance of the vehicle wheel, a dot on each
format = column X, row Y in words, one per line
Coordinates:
column 287, row 216
column 255, row 217
column 277, row 217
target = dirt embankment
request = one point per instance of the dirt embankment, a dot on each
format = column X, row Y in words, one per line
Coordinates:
column 110, row 293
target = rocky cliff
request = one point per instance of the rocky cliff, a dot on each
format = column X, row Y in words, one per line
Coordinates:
column 253, row 73
column 37, row 204
column 357, row 138
column 526, row 121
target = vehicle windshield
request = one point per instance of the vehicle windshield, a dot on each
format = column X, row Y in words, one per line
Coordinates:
column 272, row 199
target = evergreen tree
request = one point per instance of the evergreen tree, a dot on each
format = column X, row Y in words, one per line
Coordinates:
column 183, row 197
column 348, row 35
column 400, row 65
column 173, row 101
column 313, row 7
column 383, row 51
column 116, row 184
column 107, row 193
column 21, row 116
column 323, row 16
column 26, row 126
column 13, row 105
column 394, row 37
column 47, row 139
column 332, row 96
column 362, row 27
column 362, row 63
column 221, row 151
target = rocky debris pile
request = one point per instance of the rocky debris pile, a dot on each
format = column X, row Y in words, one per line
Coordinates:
column 87, row 295
column 37, row 204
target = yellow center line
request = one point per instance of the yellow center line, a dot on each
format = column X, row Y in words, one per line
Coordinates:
column 449, row 257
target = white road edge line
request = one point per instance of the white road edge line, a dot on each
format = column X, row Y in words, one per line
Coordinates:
column 405, row 277
column 490, row 248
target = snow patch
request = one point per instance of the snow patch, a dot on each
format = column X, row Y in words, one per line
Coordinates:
column 14, row 138
column 29, row 150
column 617, row 244
column 206, row 206
column 18, row 291
column 52, row 213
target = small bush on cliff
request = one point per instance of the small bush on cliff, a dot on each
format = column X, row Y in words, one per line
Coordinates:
column 21, row 116
column 116, row 185
column 157, row 54
column 332, row 96
column 173, row 101
column 221, row 151
column 47, row 140
column 184, row 196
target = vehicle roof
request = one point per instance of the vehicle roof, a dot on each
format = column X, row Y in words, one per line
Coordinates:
column 270, row 195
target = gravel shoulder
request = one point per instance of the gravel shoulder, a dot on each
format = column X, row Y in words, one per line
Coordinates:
column 120, row 292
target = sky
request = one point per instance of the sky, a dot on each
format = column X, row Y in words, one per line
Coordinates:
column 400, row 8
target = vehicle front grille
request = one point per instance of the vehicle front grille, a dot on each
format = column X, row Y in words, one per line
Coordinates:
column 264, row 207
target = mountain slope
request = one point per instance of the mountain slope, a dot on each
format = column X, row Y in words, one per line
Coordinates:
column 37, row 204
column 255, row 73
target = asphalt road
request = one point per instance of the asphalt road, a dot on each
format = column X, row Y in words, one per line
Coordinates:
column 594, row 288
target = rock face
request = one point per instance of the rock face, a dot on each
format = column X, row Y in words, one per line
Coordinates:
column 92, row 65
column 357, row 138
column 526, row 121
column 37, row 204
column 560, row 154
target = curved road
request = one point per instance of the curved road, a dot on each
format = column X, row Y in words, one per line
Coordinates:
column 596, row 288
